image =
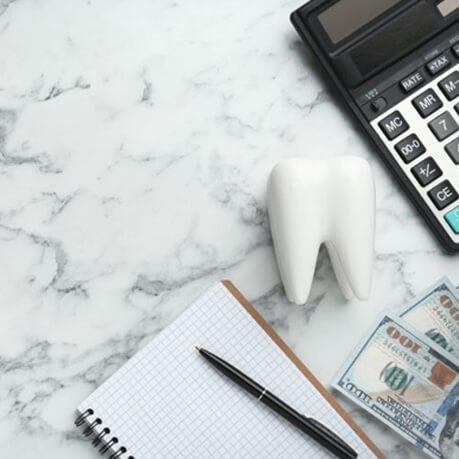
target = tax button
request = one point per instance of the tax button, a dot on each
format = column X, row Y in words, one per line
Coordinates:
column 443, row 195
column 452, row 217
column 438, row 64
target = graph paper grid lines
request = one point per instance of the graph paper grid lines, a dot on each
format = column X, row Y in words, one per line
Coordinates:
column 168, row 402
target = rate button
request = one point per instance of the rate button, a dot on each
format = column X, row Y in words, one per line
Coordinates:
column 412, row 81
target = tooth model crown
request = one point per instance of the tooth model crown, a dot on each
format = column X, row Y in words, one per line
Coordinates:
column 311, row 202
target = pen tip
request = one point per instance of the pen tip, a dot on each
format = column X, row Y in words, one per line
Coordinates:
column 198, row 348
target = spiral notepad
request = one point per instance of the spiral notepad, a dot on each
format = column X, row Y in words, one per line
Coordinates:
column 167, row 402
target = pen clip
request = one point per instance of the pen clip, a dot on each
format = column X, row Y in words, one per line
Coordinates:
column 332, row 434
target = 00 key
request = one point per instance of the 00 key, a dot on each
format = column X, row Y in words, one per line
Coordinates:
column 410, row 148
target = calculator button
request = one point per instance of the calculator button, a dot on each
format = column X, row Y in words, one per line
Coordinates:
column 438, row 64
column 426, row 171
column 393, row 125
column 443, row 126
column 453, row 150
column 456, row 50
column 412, row 81
column 443, row 195
column 452, row 217
column 410, row 148
column 457, row 108
column 450, row 86
column 378, row 104
column 427, row 103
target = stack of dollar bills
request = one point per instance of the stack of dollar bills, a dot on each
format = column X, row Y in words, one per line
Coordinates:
column 406, row 371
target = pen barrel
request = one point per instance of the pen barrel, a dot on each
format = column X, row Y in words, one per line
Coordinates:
column 309, row 426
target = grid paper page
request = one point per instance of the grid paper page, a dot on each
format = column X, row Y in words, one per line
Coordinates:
column 168, row 402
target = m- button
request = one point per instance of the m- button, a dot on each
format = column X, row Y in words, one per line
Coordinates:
column 443, row 195
column 450, row 86
column 393, row 125
column 427, row 103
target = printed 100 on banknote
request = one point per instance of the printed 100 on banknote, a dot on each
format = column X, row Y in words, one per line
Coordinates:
column 435, row 314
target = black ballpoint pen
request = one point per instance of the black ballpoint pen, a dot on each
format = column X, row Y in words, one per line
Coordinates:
column 310, row 426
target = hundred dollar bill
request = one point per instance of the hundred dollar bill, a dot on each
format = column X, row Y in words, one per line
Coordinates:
column 408, row 383
column 435, row 314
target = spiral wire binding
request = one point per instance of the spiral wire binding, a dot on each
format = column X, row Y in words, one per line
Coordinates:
column 101, row 437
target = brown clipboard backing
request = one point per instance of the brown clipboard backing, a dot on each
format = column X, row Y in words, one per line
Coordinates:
column 296, row 361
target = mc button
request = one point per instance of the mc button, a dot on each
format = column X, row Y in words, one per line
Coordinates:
column 393, row 125
column 443, row 195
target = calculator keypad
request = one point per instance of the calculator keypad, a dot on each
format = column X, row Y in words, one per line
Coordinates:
column 422, row 132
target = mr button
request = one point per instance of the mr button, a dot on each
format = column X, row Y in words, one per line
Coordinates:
column 443, row 195
column 427, row 103
column 393, row 125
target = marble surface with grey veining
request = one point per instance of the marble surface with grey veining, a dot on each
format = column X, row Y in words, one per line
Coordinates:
column 136, row 137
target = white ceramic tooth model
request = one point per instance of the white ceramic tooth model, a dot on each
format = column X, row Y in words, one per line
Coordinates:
column 311, row 202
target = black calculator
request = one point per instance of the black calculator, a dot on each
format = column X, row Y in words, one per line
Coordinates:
column 396, row 64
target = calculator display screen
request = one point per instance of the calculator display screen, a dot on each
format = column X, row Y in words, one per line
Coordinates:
column 347, row 16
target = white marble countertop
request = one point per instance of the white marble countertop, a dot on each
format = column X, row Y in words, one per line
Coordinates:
column 136, row 140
